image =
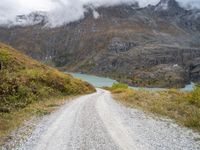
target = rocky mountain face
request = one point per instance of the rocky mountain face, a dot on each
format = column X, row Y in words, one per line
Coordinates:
column 155, row 46
column 34, row 18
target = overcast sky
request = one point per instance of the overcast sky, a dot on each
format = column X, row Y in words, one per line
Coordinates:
column 66, row 10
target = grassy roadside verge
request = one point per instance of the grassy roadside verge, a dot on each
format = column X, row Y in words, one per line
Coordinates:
column 182, row 107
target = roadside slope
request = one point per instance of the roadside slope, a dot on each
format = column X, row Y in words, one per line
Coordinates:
column 24, row 81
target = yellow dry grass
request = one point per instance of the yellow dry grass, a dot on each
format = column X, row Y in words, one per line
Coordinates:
column 182, row 107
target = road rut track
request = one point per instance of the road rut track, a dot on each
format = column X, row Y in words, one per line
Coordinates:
column 97, row 122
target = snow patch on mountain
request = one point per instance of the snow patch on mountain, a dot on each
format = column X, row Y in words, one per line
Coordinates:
column 96, row 15
column 32, row 19
column 162, row 6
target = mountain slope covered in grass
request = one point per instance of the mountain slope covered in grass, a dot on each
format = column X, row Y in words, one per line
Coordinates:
column 24, row 81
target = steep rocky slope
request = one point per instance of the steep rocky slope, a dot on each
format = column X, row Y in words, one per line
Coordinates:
column 126, row 42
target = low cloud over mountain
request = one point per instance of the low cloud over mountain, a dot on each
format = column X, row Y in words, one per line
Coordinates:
column 65, row 11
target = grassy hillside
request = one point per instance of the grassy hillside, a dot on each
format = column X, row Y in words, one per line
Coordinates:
column 180, row 106
column 24, row 82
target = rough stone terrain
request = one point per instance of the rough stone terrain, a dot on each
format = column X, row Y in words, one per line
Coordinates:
column 97, row 122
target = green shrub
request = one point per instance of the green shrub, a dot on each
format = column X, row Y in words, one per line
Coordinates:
column 45, row 92
column 4, row 56
column 119, row 86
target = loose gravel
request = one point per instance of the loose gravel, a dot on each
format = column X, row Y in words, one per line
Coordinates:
column 97, row 122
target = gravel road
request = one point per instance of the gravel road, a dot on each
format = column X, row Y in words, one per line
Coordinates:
column 97, row 122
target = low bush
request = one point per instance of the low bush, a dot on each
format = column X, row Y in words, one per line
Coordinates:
column 119, row 86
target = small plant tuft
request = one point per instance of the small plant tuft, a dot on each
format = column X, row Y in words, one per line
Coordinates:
column 119, row 86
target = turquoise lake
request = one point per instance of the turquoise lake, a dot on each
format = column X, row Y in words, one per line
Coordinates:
column 102, row 81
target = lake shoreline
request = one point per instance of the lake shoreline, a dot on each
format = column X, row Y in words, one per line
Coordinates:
column 98, row 81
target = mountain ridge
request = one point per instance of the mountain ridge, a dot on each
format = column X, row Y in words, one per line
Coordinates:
column 171, row 7
column 124, row 42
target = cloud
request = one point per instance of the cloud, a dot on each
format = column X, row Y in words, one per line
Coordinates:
column 60, row 11
column 190, row 3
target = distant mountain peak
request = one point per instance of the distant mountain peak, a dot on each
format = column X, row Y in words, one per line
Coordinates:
column 163, row 5
column 169, row 8
column 33, row 18
column 166, row 5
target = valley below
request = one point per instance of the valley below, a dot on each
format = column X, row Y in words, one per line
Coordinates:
column 149, row 47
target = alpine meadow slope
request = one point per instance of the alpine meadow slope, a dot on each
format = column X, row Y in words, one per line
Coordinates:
column 25, row 83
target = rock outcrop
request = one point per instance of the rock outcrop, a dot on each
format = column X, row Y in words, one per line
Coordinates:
column 195, row 70
column 160, row 76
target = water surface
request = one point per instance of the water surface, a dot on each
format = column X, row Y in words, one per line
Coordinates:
column 95, row 80
column 102, row 82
